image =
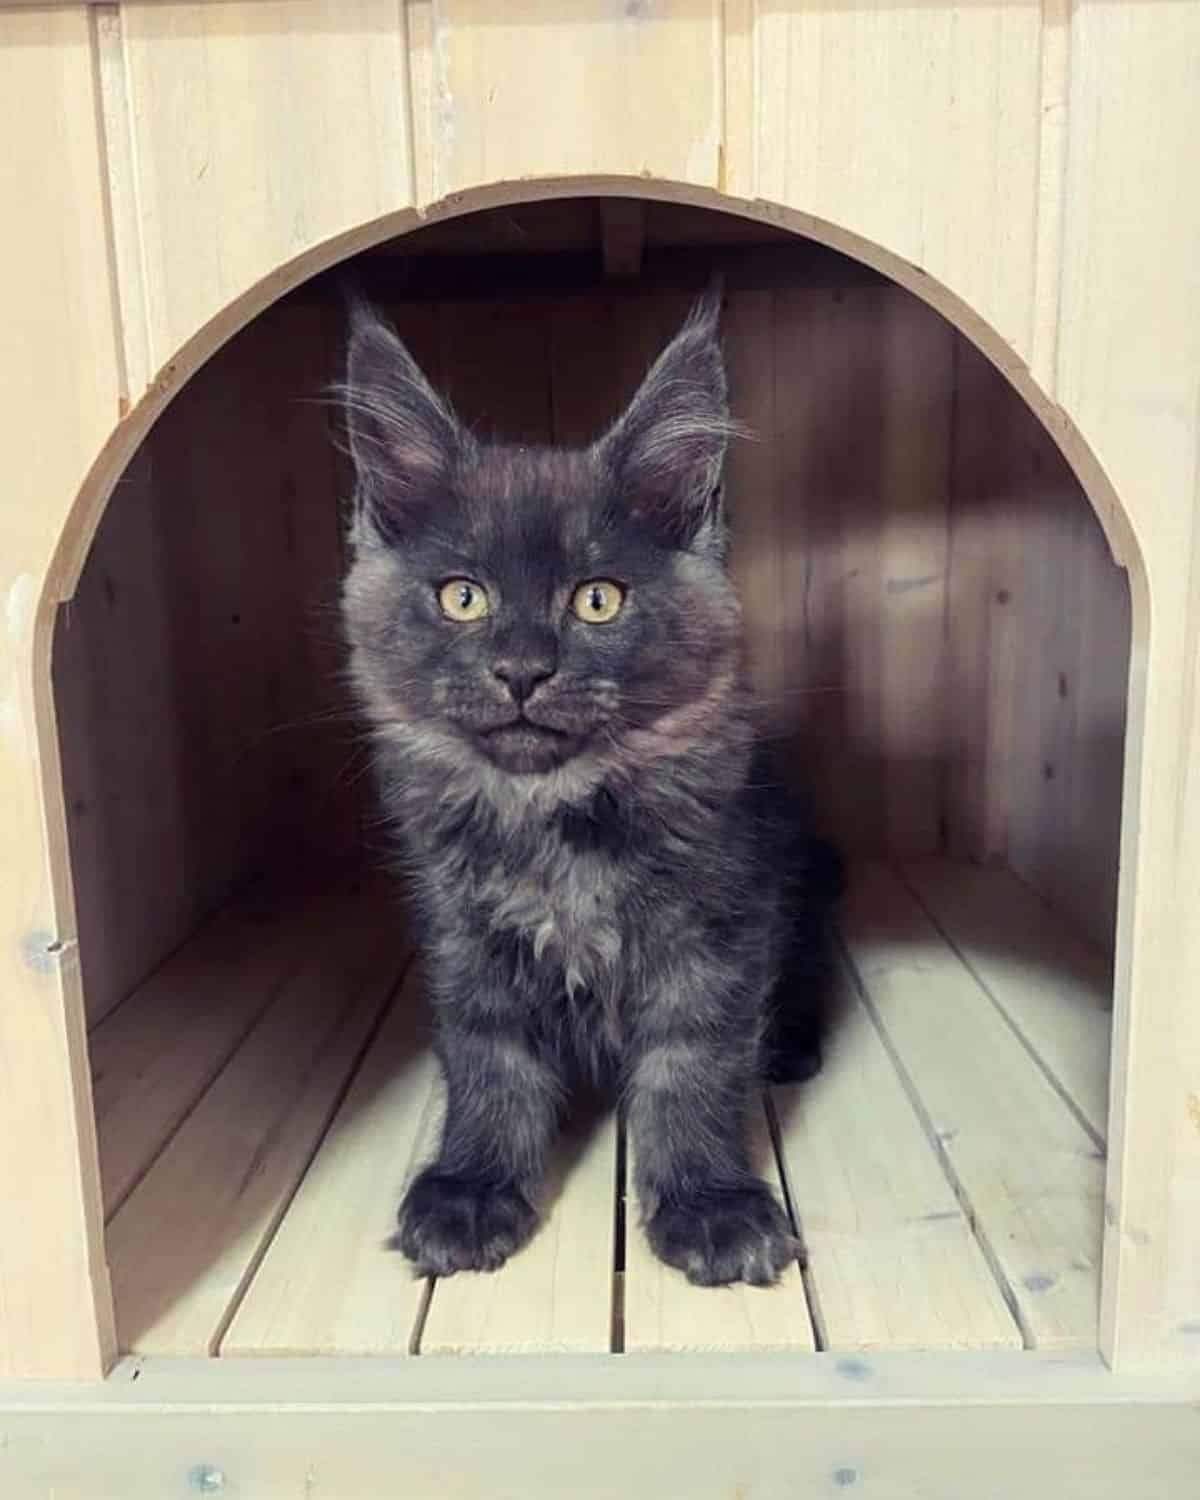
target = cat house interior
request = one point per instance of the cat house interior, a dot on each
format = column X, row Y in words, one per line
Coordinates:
column 939, row 639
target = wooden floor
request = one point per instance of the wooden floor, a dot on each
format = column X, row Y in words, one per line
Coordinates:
column 263, row 1098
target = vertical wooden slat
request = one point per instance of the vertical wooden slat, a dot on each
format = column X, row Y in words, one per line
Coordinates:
column 644, row 79
column 1128, row 359
column 1020, row 1158
column 241, row 115
column 329, row 1283
column 937, row 162
column 59, row 396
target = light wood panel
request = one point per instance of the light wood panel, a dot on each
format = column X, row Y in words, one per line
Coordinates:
column 487, row 82
column 185, row 1242
column 1128, row 363
column 1031, row 1174
column 555, row 1295
column 1038, row 632
column 242, row 113
column 755, row 503
column 663, row 1310
column 59, row 397
column 154, row 1057
column 862, row 393
column 917, row 156
column 1055, row 988
column 906, row 1426
column 891, row 1260
column 329, row 1283
column 996, row 540
column 197, row 667
column 495, row 362
column 1064, row 825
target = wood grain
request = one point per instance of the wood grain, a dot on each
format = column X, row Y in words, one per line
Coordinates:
column 1030, row 1173
column 909, row 156
column 329, row 1283
column 646, row 78
column 60, row 381
column 185, row 1242
column 891, row 1259
column 154, row 1057
column 229, row 186
column 1054, row 987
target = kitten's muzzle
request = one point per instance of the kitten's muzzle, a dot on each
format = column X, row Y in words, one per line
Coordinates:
column 522, row 676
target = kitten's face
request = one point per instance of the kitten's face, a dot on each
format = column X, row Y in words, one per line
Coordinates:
column 531, row 606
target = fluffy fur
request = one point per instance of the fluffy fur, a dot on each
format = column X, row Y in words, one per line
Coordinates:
column 610, row 884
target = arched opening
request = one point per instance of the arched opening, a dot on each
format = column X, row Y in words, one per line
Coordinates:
column 941, row 643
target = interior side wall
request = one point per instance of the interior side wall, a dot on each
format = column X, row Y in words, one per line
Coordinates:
column 937, row 630
column 194, row 669
column 1037, row 641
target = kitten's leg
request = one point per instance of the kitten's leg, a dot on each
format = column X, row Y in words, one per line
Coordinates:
column 690, row 1086
column 474, row 1204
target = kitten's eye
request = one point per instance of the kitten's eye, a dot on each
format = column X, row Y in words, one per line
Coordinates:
column 463, row 599
column 598, row 601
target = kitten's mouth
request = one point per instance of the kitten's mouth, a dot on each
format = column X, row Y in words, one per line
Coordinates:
column 523, row 746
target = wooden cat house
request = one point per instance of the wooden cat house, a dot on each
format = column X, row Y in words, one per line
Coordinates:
column 961, row 251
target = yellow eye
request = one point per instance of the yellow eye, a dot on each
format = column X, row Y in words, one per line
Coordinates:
column 598, row 601
column 463, row 599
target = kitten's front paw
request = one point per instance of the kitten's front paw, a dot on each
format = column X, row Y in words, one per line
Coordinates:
column 739, row 1234
column 450, row 1224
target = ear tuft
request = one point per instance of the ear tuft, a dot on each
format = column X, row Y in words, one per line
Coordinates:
column 667, row 451
column 403, row 437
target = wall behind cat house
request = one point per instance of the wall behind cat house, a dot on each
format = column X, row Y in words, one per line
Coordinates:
column 936, row 627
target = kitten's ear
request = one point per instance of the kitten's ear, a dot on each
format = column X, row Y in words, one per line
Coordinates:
column 665, row 454
column 403, row 436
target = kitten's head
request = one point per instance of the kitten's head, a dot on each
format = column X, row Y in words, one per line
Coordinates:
column 533, row 607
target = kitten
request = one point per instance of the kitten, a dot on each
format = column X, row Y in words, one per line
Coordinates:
column 548, row 645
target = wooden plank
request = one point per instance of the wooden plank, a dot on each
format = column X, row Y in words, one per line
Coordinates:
column 555, row 1295
column 917, row 349
column 891, row 1262
column 115, row 665
column 862, row 396
column 753, row 499
column 1032, row 1177
column 602, row 343
column 827, row 411
column 663, row 1310
column 227, row 516
column 643, row 80
column 329, row 1283
column 155, row 1056
column 996, row 532
column 1127, row 375
column 1072, row 680
column 1087, row 888
column 495, row 358
column 936, row 161
column 229, row 186
column 622, row 235
column 187, row 1238
column 1055, row 988
column 907, row 1426
column 60, row 386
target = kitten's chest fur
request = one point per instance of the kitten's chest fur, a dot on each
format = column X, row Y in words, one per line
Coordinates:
column 563, row 904
column 551, row 886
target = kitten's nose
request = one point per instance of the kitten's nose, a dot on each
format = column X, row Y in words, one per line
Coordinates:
column 521, row 675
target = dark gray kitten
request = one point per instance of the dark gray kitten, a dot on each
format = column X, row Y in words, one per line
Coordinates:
column 549, row 648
